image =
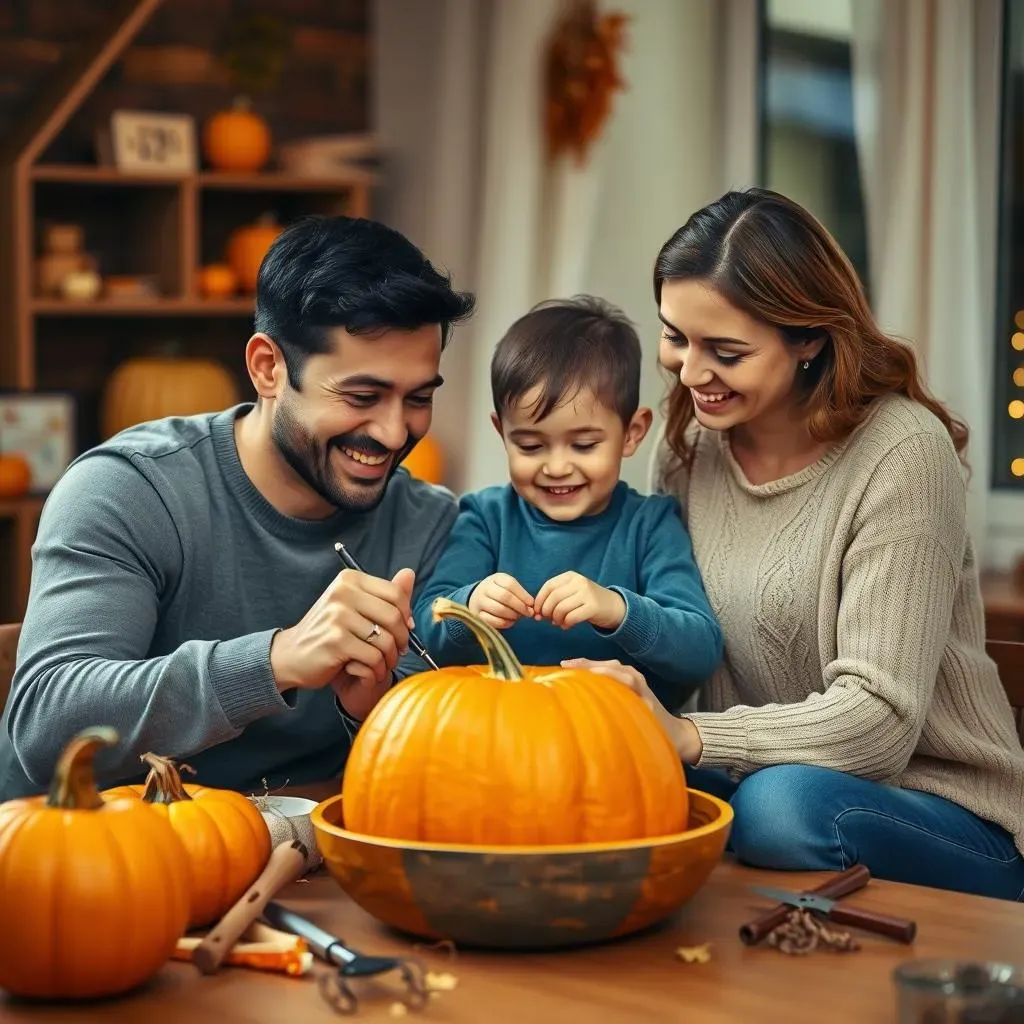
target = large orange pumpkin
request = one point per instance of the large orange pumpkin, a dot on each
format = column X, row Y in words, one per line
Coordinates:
column 426, row 461
column 237, row 139
column 15, row 475
column 150, row 387
column 225, row 836
column 246, row 247
column 504, row 755
column 94, row 895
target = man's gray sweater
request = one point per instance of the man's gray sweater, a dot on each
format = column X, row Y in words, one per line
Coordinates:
column 160, row 575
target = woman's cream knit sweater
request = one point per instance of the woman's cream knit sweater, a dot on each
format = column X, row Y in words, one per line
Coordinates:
column 854, row 629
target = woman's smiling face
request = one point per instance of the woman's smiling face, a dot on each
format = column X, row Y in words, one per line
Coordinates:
column 738, row 370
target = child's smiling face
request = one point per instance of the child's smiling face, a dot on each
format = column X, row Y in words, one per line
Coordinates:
column 567, row 464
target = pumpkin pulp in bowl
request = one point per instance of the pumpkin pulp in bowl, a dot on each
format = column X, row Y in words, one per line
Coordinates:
column 511, row 806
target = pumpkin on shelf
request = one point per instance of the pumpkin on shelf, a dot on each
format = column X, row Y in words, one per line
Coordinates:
column 246, row 247
column 237, row 139
column 226, row 838
column 216, row 281
column 426, row 460
column 15, row 475
column 501, row 755
column 94, row 894
column 151, row 387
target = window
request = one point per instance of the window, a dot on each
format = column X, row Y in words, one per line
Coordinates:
column 808, row 148
column 1008, row 390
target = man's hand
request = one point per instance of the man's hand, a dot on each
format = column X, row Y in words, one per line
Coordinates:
column 569, row 599
column 351, row 638
column 500, row 600
column 685, row 736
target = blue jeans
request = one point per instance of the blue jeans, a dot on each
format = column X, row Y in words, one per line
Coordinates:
column 801, row 818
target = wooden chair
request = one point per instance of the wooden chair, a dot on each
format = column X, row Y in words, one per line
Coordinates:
column 1009, row 658
column 8, row 649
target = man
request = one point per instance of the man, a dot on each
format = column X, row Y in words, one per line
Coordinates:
column 185, row 586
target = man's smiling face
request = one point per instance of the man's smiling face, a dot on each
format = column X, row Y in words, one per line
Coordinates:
column 358, row 412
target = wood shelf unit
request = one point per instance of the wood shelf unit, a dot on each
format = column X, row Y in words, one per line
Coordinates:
column 163, row 226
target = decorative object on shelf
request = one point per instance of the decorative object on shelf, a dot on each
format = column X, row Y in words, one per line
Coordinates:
column 581, row 73
column 167, row 383
column 130, row 287
column 328, row 156
column 40, row 428
column 217, row 281
column 149, row 142
column 15, row 476
column 81, row 285
column 239, row 139
column 426, row 460
column 62, row 255
column 246, row 247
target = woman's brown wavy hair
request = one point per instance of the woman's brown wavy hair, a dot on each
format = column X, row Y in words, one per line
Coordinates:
column 770, row 258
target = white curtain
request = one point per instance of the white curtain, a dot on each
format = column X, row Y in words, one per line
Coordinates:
column 460, row 112
column 928, row 197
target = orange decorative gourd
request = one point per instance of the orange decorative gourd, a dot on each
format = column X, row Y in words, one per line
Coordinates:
column 150, row 387
column 217, row 281
column 237, row 139
column 502, row 755
column 94, row 895
column 246, row 247
column 426, row 461
column 15, row 475
column 225, row 837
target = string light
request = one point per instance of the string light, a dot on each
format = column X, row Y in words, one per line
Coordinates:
column 1017, row 467
column 1018, row 376
column 1018, row 318
column 1017, row 341
column 1016, row 409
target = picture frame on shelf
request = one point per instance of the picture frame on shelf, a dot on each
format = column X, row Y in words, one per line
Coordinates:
column 40, row 425
column 151, row 142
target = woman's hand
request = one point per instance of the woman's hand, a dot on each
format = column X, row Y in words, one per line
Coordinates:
column 681, row 731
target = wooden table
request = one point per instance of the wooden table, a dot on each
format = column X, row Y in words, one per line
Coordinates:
column 635, row 979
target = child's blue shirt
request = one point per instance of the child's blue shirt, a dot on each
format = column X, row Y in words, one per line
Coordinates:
column 638, row 546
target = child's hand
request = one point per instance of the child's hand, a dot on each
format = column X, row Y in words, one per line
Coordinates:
column 500, row 600
column 569, row 599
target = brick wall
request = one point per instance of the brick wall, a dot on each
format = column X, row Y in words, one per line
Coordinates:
column 173, row 64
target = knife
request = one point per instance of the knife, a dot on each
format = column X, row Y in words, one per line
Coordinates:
column 881, row 924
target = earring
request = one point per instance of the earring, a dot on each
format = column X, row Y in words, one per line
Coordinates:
column 807, row 364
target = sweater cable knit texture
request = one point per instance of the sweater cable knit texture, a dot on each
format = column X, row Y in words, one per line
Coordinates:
column 849, row 599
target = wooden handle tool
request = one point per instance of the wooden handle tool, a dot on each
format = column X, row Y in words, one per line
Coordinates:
column 285, row 864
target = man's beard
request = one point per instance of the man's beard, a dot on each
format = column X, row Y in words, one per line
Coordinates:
column 311, row 460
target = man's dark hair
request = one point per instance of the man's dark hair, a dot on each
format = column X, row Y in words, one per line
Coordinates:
column 567, row 346
column 327, row 272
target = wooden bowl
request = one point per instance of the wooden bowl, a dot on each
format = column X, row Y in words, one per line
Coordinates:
column 524, row 897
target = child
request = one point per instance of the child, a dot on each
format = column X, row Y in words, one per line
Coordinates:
column 568, row 559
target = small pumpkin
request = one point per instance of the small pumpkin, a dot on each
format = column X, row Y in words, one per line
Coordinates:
column 426, row 460
column 15, row 475
column 217, row 281
column 150, row 387
column 94, row 895
column 502, row 755
column 246, row 247
column 226, row 838
column 237, row 139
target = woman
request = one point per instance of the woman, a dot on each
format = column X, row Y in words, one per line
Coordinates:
column 856, row 716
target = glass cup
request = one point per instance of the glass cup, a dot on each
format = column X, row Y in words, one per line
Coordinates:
column 959, row 992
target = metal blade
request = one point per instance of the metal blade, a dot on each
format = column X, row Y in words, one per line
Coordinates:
column 796, row 899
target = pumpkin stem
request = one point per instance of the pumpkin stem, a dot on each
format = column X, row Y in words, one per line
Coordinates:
column 500, row 659
column 74, row 783
column 163, row 783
